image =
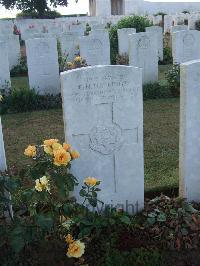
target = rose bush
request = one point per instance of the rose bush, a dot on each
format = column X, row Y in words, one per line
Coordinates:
column 43, row 192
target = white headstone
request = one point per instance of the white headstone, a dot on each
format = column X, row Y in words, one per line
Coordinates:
column 168, row 22
column 95, row 49
column 107, row 133
column 123, row 41
column 189, row 150
column 69, row 43
column 4, row 69
column 6, row 27
column 3, row 165
column 185, row 46
column 159, row 34
column 12, row 42
column 43, row 68
column 178, row 28
column 143, row 52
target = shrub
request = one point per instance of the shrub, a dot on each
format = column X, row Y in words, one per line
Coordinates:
column 122, row 59
column 50, row 14
column 24, row 100
column 167, row 56
column 78, row 62
column 44, row 190
column 137, row 22
column 87, row 29
column 156, row 91
column 21, row 69
column 134, row 258
column 173, row 79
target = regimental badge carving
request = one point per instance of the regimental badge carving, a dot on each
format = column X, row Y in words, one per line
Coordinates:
column 144, row 42
column 106, row 139
column 188, row 40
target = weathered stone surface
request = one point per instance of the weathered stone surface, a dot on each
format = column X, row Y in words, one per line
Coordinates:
column 159, row 34
column 95, row 49
column 4, row 69
column 43, row 68
column 69, row 43
column 12, row 42
column 107, row 133
column 3, row 165
column 189, row 150
column 178, row 28
column 185, row 46
column 123, row 41
column 143, row 52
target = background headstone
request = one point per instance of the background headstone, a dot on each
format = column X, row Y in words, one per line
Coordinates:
column 143, row 52
column 185, row 46
column 95, row 49
column 12, row 42
column 43, row 68
column 189, row 150
column 4, row 69
column 158, row 31
column 123, row 41
column 69, row 43
column 3, row 165
column 108, row 134
column 178, row 28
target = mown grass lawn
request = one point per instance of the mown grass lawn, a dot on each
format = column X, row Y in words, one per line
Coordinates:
column 161, row 126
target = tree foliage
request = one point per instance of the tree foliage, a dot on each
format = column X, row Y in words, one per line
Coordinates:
column 39, row 6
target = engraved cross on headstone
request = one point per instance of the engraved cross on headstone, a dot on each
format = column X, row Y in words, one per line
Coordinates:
column 106, row 138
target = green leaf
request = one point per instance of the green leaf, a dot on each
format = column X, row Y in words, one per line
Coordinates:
column 125, row 219
column 189, row 208
column 152, row 215
column 151, row 220
column 83, row 193
column 161, row 217
column 45, row 222
column 111, row 221
column 92, row 201
column 94, row 194
column 85, row 231
column 17, row 243
column 184, row 231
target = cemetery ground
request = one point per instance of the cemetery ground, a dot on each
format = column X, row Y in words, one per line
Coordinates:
column 142, row 240
column 161, row 123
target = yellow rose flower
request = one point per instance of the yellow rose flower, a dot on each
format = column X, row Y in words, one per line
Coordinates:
column 30, row 151
column 48, row 150
column 69, row 64
column 42, row 184
column 77, row 59
column 66, row 146
column 61, row 157
column 90, row 181
column 76, row 249
column 69, row 239
column 48, row 145
column 50, row 142
column 74, row 154
column 57, row 146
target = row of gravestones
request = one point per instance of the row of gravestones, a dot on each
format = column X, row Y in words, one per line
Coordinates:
column 42, row 57
column 145, row 49
column 109, row 134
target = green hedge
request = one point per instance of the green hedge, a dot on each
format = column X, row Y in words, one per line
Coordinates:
column 137, row 22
